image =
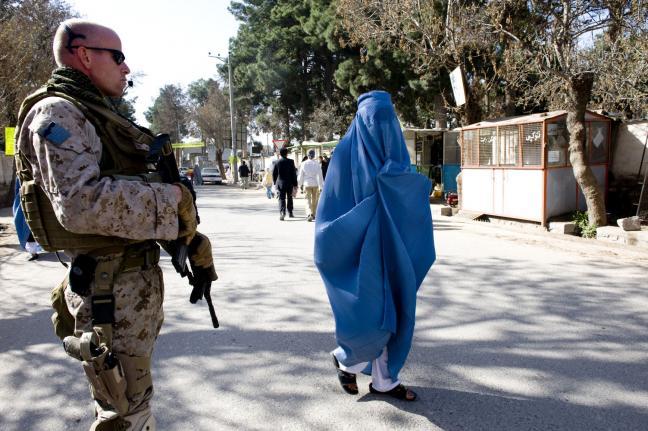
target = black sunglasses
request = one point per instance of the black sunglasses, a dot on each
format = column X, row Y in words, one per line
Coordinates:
column 117, row 55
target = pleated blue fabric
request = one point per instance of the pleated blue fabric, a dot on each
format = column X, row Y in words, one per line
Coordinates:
column 373, row 236
column 22, row 230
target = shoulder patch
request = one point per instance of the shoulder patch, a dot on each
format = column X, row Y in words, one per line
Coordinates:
column 54, row 133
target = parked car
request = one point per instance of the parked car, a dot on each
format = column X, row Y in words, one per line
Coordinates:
column 211, row 175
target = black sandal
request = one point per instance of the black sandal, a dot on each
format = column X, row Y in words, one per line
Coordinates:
column 399, row 392
column 347, row 380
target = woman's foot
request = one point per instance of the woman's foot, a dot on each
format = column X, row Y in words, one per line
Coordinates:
column 347, row 380
column 400, row 392
column 34, row 256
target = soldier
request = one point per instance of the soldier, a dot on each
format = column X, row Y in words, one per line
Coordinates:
column 81, row 167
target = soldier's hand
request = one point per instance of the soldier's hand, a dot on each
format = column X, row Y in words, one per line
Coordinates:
column 186, row 215
column 200, row 251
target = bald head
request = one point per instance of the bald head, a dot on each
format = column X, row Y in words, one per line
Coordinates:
column 75, row 32
column 95, row 51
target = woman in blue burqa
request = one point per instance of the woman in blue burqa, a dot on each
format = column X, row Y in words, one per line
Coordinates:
column 373, row 247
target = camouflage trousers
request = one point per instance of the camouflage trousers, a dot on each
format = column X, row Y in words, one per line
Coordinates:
column 138, row 319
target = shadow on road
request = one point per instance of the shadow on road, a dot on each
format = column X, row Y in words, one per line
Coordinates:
column 502, row 342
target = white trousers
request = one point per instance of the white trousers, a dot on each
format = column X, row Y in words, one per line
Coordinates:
column 380, row 378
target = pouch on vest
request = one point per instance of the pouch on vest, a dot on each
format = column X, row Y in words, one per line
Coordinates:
column 62, row 319
column 82, row 274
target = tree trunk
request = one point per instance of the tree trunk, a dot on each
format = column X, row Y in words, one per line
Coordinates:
column 472, row 112
column 509, row 102
column 440, row 112
column 580, row 92
column 287, row 127
column 219, row 161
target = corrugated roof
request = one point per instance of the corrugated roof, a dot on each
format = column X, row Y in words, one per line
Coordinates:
column 530, row 118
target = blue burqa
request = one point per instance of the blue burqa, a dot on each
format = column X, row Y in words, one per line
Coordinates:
column 22, row 230
column 373, row 237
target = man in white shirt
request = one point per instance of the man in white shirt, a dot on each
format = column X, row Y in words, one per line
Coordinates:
column 310, row 177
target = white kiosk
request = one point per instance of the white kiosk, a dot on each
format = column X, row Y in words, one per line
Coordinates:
column 519, row 168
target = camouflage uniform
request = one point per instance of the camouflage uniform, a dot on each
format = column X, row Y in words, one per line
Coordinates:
column 68, row 172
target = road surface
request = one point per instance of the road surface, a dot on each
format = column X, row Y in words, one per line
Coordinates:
column 515, row 331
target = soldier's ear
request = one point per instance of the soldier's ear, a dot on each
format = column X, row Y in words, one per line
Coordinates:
column 83, row 55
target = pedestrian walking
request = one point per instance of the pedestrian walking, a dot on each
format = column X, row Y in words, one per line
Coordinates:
column 268, row 184
column 324, row 162
column 373, row 247
column 72, row 149
column 244, row 173
column 197, row 175
column 284, row 177
column 310, row 178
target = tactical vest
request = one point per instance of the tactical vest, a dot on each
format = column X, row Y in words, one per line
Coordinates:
column 124, row 150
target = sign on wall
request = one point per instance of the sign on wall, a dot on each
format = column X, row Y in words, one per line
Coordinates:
column 10, row 142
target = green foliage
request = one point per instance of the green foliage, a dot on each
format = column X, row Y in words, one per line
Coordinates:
column 169, row 113
column 209, row 115
column 198, row 91
column 291, row 58
column 584, row 228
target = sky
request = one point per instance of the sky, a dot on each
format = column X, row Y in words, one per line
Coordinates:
column 167, row 41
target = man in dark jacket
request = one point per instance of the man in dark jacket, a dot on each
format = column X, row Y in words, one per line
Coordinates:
column 324, row 161
column 244, row 173
column 284, row 177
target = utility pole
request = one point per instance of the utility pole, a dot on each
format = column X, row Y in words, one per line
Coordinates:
column 234, row 168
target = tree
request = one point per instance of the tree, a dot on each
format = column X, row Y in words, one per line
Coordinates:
column 438, row 36
column 560, row 53
column 209, row 113
column 27, row 30
column 574, row 51
column 379, row 68
column 291, row 57
column 325, row 122
column 169, row 113
column 266, row 59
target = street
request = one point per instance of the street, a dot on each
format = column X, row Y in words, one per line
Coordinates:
column 515, row 331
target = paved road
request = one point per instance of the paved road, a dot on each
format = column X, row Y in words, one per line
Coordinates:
column 515, row 331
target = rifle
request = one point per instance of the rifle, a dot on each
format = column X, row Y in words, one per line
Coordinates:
column 161, row 155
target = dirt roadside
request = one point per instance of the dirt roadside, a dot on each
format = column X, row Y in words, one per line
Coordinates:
column 7, row 230
column 584, row 247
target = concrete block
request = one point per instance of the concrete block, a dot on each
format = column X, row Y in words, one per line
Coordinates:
column 610, row 234
column 562, row 227
column 638, row 238
column 446, row 211
column 629, row 223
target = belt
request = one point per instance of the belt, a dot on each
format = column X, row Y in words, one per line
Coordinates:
column 140, row 256
column 134, row 257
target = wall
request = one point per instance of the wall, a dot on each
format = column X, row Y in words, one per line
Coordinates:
column 626, row 155
column 563, row 193
column 513, row 193
column 6, row 180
